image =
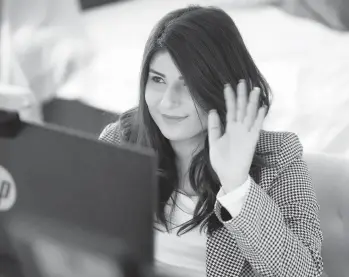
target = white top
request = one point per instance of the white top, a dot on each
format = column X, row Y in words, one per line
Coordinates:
column 185, row 255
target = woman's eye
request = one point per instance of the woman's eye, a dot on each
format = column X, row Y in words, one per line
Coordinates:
column 156, row 79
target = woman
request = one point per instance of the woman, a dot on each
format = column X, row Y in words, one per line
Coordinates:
column 234, row 200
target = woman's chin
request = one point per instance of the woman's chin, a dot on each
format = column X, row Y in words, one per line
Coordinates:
column 178, row 134
column 174, row 135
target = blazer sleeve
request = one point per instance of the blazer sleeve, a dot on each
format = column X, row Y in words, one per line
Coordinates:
column 278, row 231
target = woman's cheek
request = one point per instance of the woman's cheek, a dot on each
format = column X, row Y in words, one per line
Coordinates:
column 152, row 97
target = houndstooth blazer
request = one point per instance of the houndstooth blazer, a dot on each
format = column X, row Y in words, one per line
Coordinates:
column 277, row 232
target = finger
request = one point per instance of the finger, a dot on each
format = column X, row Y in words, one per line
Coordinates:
column 252, row 107
column 241, row 101
column 258, row 124
column 230, row 103
column 214, row 127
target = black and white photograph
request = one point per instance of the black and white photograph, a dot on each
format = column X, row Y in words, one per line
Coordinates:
column 174, row 138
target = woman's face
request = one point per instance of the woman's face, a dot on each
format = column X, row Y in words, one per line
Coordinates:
column 166, row 94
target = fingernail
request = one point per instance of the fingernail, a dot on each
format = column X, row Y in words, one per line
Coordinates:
column 226, row 86
column 241, row 80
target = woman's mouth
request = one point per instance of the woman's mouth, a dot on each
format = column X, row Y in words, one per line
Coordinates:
column 173, row 119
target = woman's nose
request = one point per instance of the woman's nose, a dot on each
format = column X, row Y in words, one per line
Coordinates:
column 171, row 96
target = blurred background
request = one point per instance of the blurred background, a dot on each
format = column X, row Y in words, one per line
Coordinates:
column 76, row 63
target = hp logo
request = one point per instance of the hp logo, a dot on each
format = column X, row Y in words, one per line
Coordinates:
column 8, row 191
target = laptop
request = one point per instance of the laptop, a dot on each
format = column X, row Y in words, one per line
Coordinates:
column 48, row 174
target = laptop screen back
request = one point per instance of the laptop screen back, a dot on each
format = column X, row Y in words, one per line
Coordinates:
column 105, row 189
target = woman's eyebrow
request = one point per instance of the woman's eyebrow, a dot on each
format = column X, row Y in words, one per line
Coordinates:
column 162, row 75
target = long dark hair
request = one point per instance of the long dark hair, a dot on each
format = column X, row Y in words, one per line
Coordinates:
column 209, row 51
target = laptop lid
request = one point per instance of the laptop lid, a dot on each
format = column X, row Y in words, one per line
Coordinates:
column 54, row 173
column 48, row 249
